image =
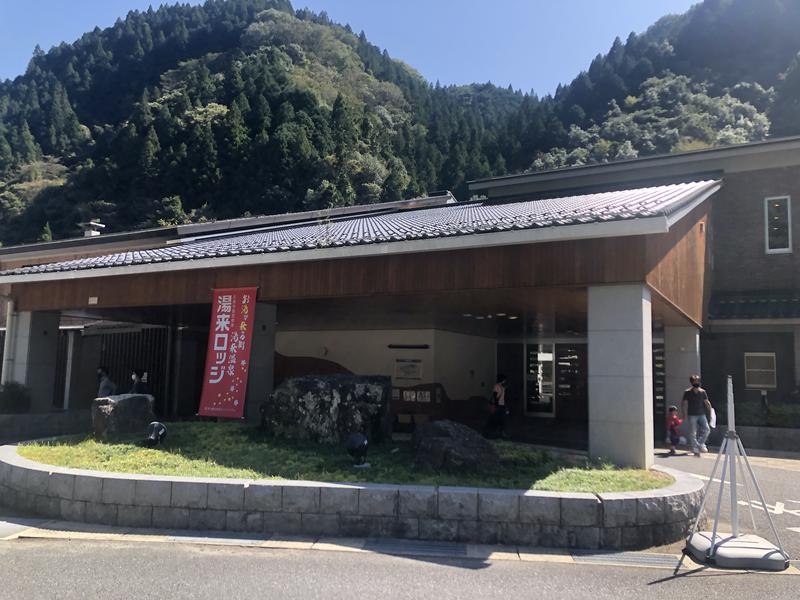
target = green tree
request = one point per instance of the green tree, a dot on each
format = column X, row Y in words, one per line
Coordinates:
column 6, row 157
column 46, row 234
column 148, row 157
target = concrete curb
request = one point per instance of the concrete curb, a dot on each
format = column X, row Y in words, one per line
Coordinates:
column 476, row 515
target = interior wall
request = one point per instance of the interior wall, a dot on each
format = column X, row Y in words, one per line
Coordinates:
column 463, row 364
column 364, row 352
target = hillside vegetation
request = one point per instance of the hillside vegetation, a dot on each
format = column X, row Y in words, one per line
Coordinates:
column 250, row 107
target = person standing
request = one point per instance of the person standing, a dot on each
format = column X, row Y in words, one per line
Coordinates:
column 495, row 425
column 137, row 382
column 695, row 408
column 106, row 387
column 673, row 422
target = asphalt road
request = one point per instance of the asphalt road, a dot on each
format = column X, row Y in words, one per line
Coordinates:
column 110, row 570
column 780, row 483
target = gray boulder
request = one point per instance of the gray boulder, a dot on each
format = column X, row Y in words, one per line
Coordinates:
column 328, row 408
column 445, row 445
column 122, row 414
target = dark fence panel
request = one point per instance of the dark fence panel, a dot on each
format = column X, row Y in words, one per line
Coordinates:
column 146, row 350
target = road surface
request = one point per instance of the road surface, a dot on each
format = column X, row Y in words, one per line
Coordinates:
column 779, row 480
column 57, row 569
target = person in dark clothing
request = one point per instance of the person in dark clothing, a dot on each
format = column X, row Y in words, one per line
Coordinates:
column 695, row 408
column 105, row 387
column 137, row 386
column 495, row 424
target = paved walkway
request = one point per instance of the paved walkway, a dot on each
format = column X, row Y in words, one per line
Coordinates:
column 778, row 475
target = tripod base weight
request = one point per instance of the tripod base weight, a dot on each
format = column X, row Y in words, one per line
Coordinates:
column 747, row 552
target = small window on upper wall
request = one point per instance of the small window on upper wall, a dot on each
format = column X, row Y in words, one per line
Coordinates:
column 778, row 224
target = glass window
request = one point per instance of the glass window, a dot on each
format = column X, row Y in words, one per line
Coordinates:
column 759, row 370
column 778, row 216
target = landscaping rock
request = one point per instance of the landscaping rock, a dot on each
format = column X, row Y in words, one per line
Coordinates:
column 328, row 408
column 454, row 447
column 122, row 414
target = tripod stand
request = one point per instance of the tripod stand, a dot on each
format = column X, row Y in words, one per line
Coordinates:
column 735, row 551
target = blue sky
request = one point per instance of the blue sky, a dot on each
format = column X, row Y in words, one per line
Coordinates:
column 531, row 44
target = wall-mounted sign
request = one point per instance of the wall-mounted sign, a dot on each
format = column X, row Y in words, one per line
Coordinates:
column 408, row 368
column 228, row 357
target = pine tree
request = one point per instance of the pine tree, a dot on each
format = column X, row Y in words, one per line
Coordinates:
column 143, row 116
column 343, row 129
column 236, row 137
column 148, row 158
column 46, row 234
column 6, row 156
column 26, row 148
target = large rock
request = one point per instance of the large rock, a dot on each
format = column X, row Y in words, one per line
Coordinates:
column 122, row 414
column 451, row 446
column 328, row 408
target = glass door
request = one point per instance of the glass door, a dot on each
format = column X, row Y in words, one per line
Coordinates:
column 540, row 380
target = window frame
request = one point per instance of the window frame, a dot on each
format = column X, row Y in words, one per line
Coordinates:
column 774, row 385
column 788, row 249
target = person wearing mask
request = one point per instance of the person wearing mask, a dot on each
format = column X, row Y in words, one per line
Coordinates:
column 137, row 384
column 695, row 408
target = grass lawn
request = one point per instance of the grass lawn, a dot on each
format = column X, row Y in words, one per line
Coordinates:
column 232, row 450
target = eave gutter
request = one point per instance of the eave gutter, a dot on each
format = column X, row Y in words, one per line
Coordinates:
column 621, row 228
column 703, row 195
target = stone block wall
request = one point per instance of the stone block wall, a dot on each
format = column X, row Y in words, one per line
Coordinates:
column 29, row 426
column 478, row 515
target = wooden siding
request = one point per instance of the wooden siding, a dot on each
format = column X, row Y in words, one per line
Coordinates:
column 677, row 263
column 668, row 263
column 582, row 262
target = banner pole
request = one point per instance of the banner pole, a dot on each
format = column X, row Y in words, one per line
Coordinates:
column 733, row 450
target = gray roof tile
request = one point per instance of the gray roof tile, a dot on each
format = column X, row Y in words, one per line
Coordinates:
column 456, row 219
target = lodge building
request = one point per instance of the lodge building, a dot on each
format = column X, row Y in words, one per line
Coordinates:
column 596, row 290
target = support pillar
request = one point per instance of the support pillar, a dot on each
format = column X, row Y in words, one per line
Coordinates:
column 797, row 356
column 33, row 347
column 681, row 359
column 262, row 360
column 621, row 374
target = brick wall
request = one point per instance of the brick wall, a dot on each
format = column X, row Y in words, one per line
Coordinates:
column 723, row 355
column 740, row 262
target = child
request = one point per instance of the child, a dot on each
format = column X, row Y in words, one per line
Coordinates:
column 673, row 421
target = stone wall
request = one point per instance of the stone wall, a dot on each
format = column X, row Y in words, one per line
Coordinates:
column 590, row 521
column 14, row 428
column 780, row 439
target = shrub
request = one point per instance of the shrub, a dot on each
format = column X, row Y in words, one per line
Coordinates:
column 14, row 398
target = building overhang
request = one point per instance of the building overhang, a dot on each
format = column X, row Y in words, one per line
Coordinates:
column 622, row 227
column 632, row 227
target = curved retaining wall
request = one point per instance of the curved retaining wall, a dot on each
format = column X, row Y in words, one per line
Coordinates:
column 28, row 426
column 480, row 515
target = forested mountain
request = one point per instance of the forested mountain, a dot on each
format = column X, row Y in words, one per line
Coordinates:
column 250, row 107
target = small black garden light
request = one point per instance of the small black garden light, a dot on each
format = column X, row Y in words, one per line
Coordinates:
column 155, row 434
column 357, row 445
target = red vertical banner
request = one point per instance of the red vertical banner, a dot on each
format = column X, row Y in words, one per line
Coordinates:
column 228, row 358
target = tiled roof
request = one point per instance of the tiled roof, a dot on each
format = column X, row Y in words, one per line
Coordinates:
column 783, row 304
column 472, row 218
